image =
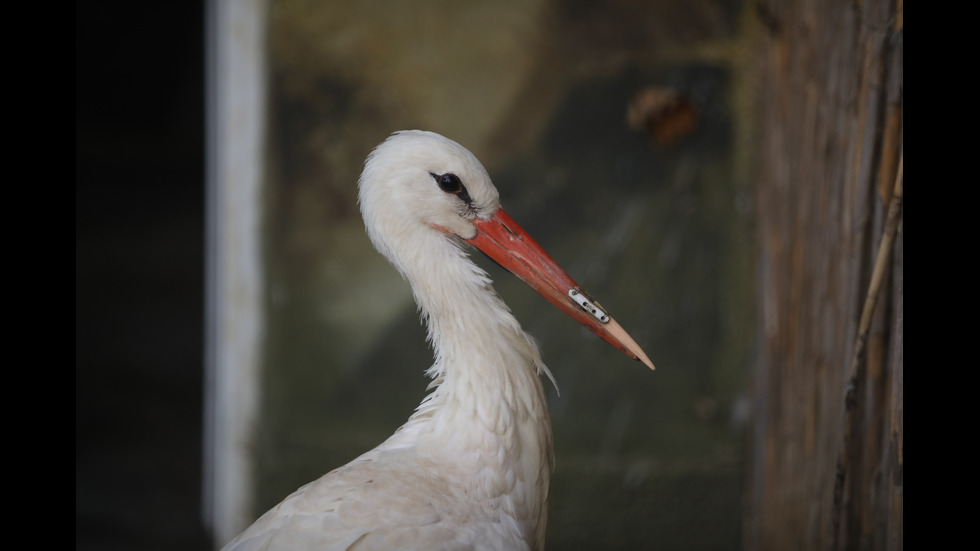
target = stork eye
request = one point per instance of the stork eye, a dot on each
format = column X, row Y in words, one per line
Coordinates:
column 450, row 183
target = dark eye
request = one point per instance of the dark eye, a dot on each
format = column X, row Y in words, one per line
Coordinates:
column 450, row 183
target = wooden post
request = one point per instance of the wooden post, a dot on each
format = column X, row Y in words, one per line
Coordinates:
column 826, row 469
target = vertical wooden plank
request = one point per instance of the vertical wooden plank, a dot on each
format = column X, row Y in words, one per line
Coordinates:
column 830, row 128
column 235, row 143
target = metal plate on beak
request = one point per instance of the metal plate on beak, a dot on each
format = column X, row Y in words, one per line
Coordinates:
column 589, row 306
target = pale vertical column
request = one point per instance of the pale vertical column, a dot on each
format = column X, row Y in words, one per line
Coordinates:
column 235, row 328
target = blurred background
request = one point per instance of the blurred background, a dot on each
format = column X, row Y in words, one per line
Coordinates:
column 622, row 135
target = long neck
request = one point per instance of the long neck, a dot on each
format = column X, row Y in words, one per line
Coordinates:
column 487, row 418
column 486, row 368
column 484, row 362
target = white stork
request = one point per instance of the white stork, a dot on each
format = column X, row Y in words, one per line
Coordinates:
column 470, row 468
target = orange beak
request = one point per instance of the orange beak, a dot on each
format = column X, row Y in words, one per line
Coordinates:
column 511, row 247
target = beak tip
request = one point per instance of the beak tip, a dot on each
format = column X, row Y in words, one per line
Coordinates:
column 621, row 339
column 641, row 357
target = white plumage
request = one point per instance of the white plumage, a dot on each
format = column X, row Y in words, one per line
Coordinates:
column 470, row 468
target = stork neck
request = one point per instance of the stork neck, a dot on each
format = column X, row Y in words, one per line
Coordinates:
column 464, row 316
column 480, row 349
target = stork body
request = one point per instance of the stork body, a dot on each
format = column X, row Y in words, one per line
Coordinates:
column 470, row 468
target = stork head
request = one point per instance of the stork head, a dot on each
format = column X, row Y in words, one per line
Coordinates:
column 416, row 181
column 419, row 188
